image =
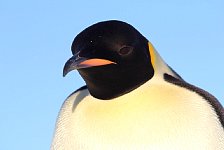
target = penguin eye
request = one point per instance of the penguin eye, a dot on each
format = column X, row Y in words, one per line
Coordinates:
column 125, row 50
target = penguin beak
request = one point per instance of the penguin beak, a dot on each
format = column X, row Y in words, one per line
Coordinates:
column 77, row 62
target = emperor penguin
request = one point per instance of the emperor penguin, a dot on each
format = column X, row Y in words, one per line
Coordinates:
column 132, row 99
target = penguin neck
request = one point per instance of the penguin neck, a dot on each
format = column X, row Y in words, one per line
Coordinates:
column 109, row 82
column 159, row 65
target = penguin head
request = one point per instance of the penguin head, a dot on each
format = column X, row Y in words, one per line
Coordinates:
column 112, row 57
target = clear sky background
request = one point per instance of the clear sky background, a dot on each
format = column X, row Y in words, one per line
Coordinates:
column 35, row 39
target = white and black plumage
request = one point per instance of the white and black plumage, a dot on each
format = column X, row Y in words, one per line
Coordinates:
column 132, row 98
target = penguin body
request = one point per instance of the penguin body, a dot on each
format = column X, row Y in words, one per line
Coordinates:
column 159, row 112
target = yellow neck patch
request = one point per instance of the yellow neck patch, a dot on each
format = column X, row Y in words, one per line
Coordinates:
column 152, row 54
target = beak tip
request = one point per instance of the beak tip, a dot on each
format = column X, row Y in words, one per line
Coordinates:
column 69, row 66
column 64, row 74
column 65, row 71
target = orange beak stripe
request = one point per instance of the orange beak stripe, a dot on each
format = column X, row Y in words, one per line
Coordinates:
column 96, row 62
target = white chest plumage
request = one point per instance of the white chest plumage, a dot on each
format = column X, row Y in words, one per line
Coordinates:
column 155, row 116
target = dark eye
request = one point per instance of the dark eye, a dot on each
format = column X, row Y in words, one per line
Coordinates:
column 125, row 50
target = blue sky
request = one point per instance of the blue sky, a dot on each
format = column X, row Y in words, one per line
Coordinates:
column 35, row 39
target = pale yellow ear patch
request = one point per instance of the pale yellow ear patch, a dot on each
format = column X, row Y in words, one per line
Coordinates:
column 152, row 54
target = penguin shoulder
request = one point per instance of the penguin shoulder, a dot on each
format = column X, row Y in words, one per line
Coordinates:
column 206, row 96
column 63, row 123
